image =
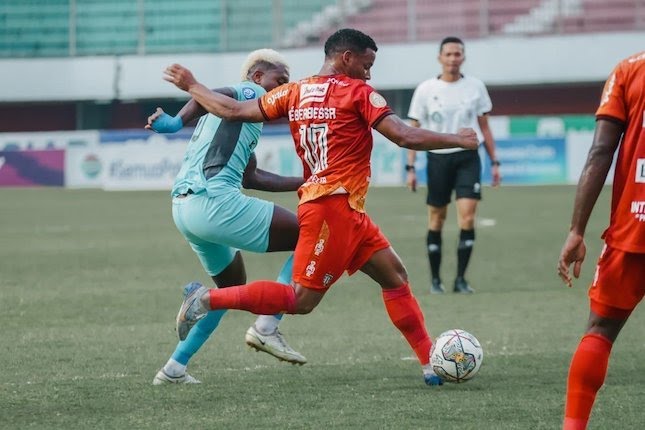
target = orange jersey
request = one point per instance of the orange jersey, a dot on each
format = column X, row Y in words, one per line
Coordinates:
column 331, row 118
column 623, row 100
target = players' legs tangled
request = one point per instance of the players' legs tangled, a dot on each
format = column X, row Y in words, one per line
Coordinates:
column 333, row 238
column 281, row 235
column 264, row 335
column 175, row 367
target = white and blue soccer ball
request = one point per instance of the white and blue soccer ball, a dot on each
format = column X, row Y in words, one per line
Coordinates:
column 456, row 356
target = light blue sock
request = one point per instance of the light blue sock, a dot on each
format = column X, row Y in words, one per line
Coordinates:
column 285, row 276
column 207, row 325
column 197, row 336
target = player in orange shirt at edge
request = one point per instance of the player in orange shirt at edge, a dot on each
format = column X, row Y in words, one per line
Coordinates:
column 619, row 282
column 330, row 116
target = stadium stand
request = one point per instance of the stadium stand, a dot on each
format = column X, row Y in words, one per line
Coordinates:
column 600, row 15
column 57, row 28
column 34, row 28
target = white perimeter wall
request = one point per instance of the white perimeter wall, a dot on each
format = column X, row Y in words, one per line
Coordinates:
column 497, row 61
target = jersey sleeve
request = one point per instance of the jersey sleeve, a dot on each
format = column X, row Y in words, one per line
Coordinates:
column 371, row 105
column 248, row 91
column 416, row 110
column 275, row 103
column 612, row 103
column 484, row 104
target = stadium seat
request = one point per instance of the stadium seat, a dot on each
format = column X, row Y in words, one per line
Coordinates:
column 42, row 27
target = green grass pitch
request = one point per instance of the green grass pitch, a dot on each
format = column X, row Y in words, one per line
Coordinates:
column 90, row 284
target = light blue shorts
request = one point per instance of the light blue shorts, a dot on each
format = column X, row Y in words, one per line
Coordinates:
column 216, row 227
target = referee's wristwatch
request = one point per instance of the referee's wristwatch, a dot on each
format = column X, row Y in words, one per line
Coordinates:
column 495, row 163
column 409, row 167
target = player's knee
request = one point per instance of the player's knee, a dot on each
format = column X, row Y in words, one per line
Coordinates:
column 306, row 300
column 467, row 221
column 304, row 308
column 435, row 225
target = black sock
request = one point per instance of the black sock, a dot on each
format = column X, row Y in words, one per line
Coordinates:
column 434, row 251
column 464, row 249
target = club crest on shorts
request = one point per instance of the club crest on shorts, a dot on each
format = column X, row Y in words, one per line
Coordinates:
column 327, row 279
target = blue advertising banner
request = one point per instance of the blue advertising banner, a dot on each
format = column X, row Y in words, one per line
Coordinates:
column 524, row 161
column 143, row 136
column 529, row 161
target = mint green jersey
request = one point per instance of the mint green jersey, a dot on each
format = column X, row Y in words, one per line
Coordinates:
column 219, row 150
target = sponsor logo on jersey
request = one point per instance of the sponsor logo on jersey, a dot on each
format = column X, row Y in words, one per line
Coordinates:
column 638, row 209
column 248, row 93
column 310, row 93
column 335, row 81
column 640, row 170
column 315, row 179
column 277, row 95
column 377, row 100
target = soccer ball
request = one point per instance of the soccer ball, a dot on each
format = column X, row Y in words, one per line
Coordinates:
column 456, row 356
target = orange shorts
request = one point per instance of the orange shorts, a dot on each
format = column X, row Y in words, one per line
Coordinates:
column 619, row 283
column 333, row 239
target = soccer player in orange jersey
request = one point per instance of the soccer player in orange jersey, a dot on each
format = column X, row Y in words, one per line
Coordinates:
column 331, row 116
column 619, row 282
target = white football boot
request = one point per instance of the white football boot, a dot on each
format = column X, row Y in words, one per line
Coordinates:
column 274, row 344
column 162, row 378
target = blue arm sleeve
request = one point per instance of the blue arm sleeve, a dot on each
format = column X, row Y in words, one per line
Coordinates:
column 167, row 124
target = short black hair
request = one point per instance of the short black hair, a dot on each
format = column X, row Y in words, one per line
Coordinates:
column 348, row 39
column 450, row 39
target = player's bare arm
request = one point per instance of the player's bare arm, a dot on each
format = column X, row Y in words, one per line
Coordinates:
column 215, row 103
column 258, row 179
column 592, row 179
column 420, row 139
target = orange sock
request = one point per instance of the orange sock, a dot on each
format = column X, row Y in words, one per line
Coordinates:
column 406, row 315
column 259, row 297
column 586, row 376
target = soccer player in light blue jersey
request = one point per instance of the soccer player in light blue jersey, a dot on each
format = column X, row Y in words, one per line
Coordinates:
column 217, row 219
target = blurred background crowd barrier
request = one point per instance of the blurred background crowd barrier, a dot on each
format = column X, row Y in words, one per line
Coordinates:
column 80, row 77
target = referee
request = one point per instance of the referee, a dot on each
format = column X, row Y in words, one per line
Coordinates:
column 444, row 104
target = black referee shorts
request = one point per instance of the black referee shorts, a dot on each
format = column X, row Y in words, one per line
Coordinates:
column 460, row 171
